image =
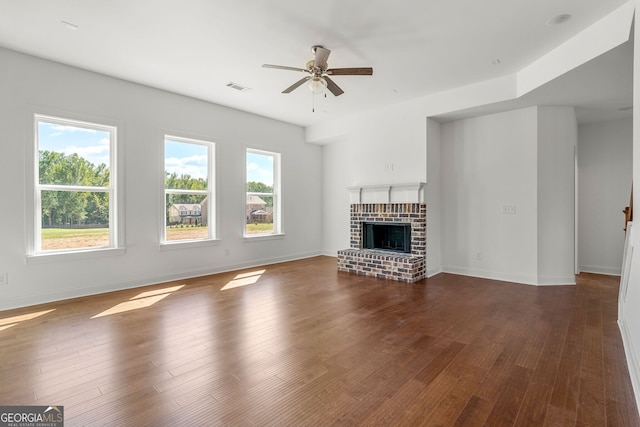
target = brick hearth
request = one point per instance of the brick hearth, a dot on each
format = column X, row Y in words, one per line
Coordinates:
column 387, row 264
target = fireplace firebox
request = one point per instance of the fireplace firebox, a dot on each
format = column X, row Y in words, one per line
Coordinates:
column 407, row 223
column 395, row 237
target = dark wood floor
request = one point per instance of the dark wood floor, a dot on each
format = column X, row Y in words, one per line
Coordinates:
column 300, row 344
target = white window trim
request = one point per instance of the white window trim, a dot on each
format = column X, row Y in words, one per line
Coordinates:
column 211, row 192
column 278, row 232
column 33, row 210
column 74, row 254
column 258, row 237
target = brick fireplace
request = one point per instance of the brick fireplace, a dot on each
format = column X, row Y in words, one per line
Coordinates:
column 388, row 264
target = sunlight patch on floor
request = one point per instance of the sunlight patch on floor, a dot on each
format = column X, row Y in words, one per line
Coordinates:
column 142, row 300
column 8, row 322
column 158, row 292
column 244, row 279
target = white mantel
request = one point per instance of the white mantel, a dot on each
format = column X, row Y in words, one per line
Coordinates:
column 387, row 193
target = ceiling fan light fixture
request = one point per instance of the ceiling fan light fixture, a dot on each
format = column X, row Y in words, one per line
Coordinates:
column 317, row 85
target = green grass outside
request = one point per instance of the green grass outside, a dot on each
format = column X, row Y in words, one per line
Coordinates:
column 259, row 228
column 185, row 229
column 74, row 238
column 68, row 233
column 65, row 233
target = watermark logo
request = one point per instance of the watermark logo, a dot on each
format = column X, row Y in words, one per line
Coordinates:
column 31, row 416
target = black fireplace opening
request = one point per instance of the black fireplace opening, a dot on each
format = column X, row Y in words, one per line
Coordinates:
column 394, row 237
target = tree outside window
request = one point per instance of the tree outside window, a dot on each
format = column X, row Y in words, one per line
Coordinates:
column 188, row 188
column 75, row 191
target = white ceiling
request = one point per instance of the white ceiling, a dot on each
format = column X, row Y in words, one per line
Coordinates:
column 416, row 47
column 601, row 90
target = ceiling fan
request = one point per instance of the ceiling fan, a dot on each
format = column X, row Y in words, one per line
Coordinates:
column 318, row 73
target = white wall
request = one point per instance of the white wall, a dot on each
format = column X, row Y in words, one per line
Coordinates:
column 557, row 140
column 433, row 198
column 363, row 157
column 488, row 162
column 522, row 158
column 605, row 173
column 29, row 84
column 336, row 174
column 629, row 315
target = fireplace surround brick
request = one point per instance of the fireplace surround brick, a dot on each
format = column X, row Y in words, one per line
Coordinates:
column 386, row 264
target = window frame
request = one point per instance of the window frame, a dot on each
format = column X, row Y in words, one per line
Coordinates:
column 34, row 252
column 276, row 194
column 211, row 192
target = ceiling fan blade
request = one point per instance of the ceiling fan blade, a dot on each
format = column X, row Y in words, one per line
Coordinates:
column 364, row 71
column 333, row 87
column 282, row 67
column 296, row 85
column 322, row 55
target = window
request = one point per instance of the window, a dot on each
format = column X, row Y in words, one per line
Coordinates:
column 75, row 191
column 188, row 190
column 262, row 208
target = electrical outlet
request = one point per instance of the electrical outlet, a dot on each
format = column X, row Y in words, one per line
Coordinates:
column 478, row 256
column 509, row 209
column 4, row 278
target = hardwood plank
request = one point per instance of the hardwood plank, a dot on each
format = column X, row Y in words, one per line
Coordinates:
column 535, row 403
column 592, row 405
column 306, row 345
column 564, row 398
column 392, row 409
column 505, row 411
column 474, row 414
column 455, row 402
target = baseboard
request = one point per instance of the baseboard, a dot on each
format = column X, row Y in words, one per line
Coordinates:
column 513, row 278
column 504, row 277
column 556, row 280
column 432, row 272
column 27, row 301
column 609, row 271
column 632, row 360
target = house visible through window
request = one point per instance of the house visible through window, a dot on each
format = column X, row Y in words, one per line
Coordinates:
column 188, row 189
column 75, row 187
column 262, row 208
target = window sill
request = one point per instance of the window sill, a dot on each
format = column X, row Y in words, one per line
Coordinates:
column 186, row 244
column 261, row 237
column 74, row 255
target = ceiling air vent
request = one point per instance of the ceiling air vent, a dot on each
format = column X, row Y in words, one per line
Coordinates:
column 236, row 86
